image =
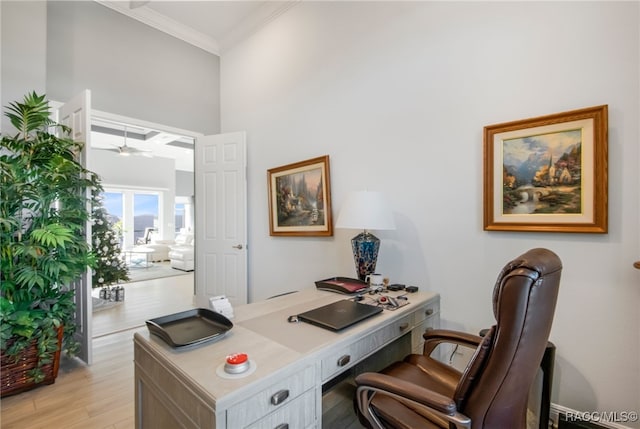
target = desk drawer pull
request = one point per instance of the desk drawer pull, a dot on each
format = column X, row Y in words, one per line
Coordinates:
column 429, row 311
column 404, row 326
column 343, row 360
column 279, row 397
column 283, row 426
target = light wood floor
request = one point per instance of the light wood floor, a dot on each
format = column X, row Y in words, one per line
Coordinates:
column 145, row 300
column 101, row 396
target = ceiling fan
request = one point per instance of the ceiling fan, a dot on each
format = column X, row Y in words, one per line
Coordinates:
column 126, row 150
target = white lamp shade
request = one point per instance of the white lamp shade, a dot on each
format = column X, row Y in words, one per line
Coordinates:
column 365, row 210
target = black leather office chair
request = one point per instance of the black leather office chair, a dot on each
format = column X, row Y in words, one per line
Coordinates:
column 492, row 392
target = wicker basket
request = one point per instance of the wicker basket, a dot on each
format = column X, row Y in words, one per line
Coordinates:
column 14, row 372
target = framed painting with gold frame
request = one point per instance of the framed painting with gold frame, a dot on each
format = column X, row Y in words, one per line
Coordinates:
column 300, row 199
column 547, row 174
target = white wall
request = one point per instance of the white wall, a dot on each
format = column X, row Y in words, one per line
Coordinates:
column 132, row 69
column 63, row 47
column 138, row 172
column 397, row 93
column 184, row 183
column 22, row 53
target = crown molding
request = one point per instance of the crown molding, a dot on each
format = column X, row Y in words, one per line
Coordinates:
column 167, row 25
column 269, row 11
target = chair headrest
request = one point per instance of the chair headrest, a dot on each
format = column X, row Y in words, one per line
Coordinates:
column 535, row 263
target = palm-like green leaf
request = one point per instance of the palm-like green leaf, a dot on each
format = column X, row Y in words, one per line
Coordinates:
column 54, row 235
column 43, row 210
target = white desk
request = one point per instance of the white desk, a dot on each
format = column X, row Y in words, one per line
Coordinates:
column 180, row 388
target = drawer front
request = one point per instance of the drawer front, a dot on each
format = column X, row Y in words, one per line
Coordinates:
column 417, row 341
column 347, row 356
column 429, row 310
column 298, row 414
column 277, row 396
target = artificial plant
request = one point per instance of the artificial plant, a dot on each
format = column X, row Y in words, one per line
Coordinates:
column 44, row 209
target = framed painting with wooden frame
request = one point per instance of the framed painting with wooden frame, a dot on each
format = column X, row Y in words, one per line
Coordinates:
column 547, row 174
column 300, row 199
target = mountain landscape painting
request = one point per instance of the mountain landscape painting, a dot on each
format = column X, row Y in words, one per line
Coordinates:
column 542, row 174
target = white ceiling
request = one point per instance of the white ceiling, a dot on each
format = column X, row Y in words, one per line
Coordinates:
column 211, row 25
column 216, row 19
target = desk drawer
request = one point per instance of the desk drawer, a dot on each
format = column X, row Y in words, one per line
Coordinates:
column 298, row 414
column 277, row 396
column 347, row 356
column 429, row 310
column 417, row 340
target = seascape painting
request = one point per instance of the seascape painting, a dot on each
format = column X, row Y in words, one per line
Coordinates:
column 542, row 174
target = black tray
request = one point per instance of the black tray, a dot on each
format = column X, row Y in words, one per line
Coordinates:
column 344, row 285
column 190, row 327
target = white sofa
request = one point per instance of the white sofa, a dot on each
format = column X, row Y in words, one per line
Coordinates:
column 181, row 254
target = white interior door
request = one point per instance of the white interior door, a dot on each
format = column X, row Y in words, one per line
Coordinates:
column 76, row 114
column 221, row 218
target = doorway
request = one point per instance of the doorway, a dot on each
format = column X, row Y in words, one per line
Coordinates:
column 147, row 172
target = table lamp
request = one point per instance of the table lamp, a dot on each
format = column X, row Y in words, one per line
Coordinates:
column 365, row 210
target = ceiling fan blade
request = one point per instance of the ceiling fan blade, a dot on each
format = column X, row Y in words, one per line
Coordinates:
column 121, row 150
column 136, row 151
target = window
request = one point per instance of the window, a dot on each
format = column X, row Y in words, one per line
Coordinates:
column 180, row 217
column 145, row 213
column 113, row 203
column 183, row 213
column 132, row 212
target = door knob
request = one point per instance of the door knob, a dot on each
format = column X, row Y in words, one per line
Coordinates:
column 239, row 247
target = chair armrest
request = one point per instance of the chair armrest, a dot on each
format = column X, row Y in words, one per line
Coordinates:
column 435, row 337
column 406, row 390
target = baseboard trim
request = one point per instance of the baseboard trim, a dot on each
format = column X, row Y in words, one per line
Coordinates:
column 556, row 410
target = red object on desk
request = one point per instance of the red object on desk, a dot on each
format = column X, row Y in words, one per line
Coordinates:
column 343, row 285
column 237, row 358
